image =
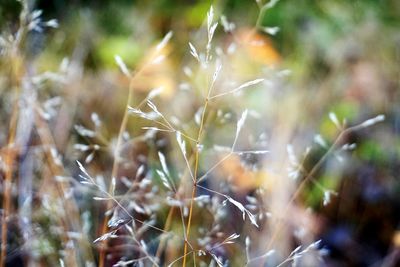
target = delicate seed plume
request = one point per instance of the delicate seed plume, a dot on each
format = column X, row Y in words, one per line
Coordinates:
column 271, row 30
column 271, row 4
column 164, row 41
column 155, row 92
column 193, row 52
column 243, row 210
column 123, row 68
column 163, row 163
column 82, row 131
column 239, row 126
column 320, row 141
column 217, row 260
column 334, row 119
column 164, row 179
column 373, row 121
column 106, row 236
column 237, row 89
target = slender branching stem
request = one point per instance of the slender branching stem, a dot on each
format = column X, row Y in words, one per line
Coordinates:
column 114, row 171
column 196, row 168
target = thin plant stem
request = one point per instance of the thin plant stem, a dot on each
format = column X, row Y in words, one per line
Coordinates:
column 171, row 211
column 196, row 167
column 114, row 171
column 122, row 129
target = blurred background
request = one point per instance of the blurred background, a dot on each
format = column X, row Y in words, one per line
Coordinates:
column 316, row 56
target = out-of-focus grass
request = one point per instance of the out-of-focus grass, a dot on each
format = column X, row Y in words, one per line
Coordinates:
column 342, row 55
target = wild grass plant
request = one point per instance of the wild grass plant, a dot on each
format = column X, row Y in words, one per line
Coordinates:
column 193, row 180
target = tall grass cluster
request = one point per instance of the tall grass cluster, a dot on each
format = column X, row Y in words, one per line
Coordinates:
column 208, row 168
